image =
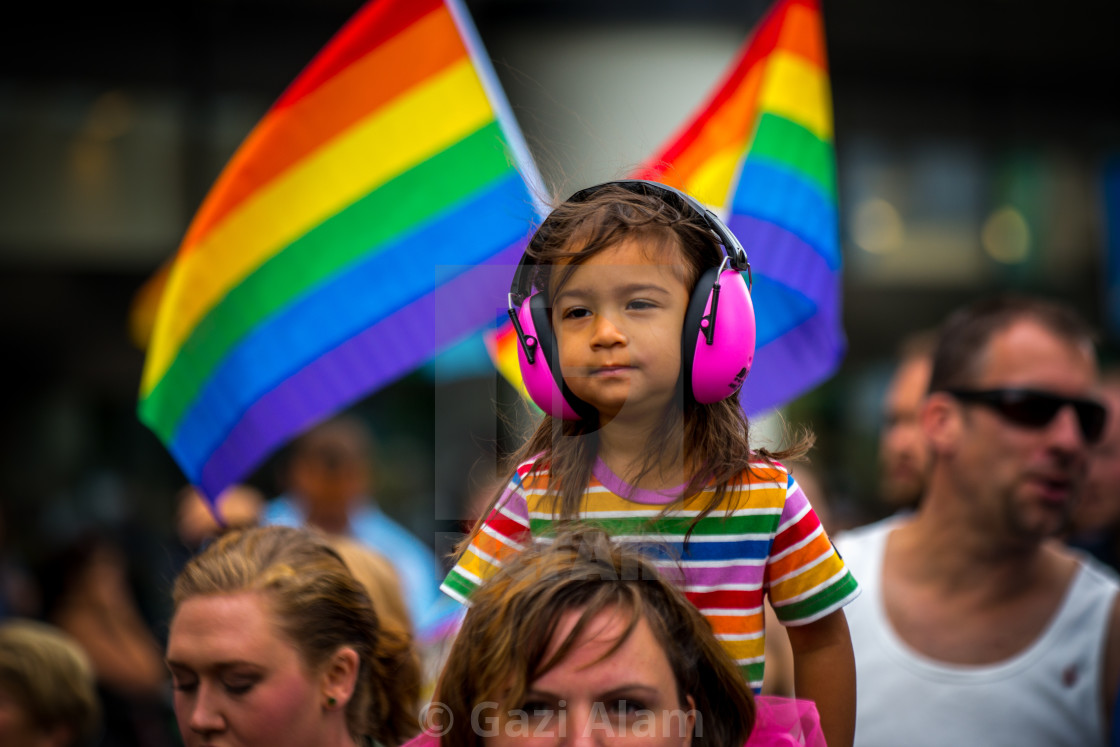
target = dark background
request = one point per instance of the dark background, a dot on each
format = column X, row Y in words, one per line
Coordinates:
column 115, row 118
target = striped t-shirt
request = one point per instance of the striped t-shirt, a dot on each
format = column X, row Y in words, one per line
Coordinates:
column 763, row 538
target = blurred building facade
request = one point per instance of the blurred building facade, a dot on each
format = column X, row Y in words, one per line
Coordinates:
column 975, row 142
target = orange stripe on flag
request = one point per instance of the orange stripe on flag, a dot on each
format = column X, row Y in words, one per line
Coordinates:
column 802, row 35
column 286, row 136
column 728, row 127
column 373, row 24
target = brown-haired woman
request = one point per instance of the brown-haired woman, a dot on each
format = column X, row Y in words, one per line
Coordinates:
column 582, row 638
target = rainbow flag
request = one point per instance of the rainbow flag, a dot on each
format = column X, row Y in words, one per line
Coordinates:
column 759, row 151
column 368, row 221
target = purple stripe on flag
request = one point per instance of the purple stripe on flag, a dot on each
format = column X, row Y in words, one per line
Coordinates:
column 795, row 362
column 809, row 353
column 775, row 194
column 785, row 258
column 384, row 352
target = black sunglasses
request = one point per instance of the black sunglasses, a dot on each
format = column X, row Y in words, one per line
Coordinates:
column 1036, row 409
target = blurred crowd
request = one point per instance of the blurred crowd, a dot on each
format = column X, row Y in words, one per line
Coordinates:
column 82, row 649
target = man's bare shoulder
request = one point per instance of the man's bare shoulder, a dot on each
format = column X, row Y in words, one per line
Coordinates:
column 1106, row 581
column 1062, row 557
column 1112, row 655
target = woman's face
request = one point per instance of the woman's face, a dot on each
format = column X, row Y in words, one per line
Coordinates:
column 627, row 698
column 238, row 681
column 17, row 727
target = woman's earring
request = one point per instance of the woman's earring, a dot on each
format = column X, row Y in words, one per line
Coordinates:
column 331, row 702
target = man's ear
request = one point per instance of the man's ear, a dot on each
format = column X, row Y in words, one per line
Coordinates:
column 340, row 678
column 941, row 421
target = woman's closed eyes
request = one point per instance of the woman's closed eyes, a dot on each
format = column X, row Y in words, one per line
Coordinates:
column 232, row 682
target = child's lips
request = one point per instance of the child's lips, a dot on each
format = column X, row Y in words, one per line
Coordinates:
column 608, row 371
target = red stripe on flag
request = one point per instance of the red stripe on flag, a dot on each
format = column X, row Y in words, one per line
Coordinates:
column 757, row 47
column 286, row 136
column 375, row 22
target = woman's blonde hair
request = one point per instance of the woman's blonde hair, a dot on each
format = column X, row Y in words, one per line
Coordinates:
column 382, row 582
column 379, row 577
column 321, row 607
column 50, row 677
column 508, row 630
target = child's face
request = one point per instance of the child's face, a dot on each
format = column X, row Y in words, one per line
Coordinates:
column 618, row 321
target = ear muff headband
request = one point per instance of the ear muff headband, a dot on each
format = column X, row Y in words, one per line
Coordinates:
column 717, row 345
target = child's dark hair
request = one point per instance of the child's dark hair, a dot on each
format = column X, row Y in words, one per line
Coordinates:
column 713, row 438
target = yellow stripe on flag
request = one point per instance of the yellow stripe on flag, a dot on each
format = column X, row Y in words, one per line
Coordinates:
column 711, row 182
column 418, row 125
column 797, row 90
column 730, row 127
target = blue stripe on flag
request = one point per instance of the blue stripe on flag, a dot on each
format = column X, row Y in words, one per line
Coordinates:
column 373, row 358
column 785, row 199
column 778, row 309
column 321, row 320
column 794, row 363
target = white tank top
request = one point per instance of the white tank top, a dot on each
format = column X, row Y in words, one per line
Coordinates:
column 1048, row 695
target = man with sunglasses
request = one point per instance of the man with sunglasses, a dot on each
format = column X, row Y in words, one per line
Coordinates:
column 975, row 626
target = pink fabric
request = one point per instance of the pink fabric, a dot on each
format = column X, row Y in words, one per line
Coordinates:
column 780, row 722
column 423, row 739
column 786, row 721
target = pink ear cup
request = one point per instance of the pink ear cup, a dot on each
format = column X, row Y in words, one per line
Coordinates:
column 718, row 370
column 538, row 376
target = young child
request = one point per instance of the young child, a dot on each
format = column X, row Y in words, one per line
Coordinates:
column 636, row 331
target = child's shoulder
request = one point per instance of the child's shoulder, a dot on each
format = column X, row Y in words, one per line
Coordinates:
column 762, row 480
column 763, row 471
column 533, row 468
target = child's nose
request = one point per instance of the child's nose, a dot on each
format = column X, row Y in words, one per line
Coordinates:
column 606, row 333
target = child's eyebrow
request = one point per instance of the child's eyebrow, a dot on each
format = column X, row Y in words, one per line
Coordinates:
column 628, row 289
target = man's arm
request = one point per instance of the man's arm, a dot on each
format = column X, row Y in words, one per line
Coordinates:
column 824, row 671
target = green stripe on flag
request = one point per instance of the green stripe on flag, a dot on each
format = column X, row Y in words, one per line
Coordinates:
column 778, row 140
column 355, row 233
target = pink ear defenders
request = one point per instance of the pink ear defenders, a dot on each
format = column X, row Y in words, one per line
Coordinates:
column 717, row 343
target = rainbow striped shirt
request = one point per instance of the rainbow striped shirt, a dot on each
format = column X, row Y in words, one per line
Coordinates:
column 763, row 539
